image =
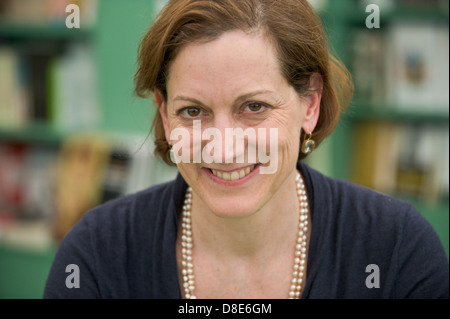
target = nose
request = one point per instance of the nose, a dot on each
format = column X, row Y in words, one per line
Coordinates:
column 221, row 142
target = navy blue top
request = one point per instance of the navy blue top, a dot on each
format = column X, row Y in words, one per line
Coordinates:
column 125, row 248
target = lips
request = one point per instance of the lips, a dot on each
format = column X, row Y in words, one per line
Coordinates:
column 233, row 175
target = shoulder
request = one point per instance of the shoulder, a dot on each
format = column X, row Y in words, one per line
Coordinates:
column 144, row 205
column 133, row 219
column 113, row 236
column 345, row 197
column 363, row 211
column 355, row 226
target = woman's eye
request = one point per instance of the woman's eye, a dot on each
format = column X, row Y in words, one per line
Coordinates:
column 191, row 111
column 254, row 107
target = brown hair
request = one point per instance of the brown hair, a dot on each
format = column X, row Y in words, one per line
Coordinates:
column 292, row 25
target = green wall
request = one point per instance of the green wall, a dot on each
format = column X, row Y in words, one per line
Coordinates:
column 116, row 39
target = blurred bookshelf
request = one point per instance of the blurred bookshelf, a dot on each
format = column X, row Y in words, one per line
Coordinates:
column 72, row 133
column 38, row 132
column 394, row 136
column 84, row 133
column 361, row 110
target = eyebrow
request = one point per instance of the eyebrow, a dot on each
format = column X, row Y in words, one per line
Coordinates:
column 241, row 98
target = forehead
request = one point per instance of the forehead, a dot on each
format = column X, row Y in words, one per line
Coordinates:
column 234, row 62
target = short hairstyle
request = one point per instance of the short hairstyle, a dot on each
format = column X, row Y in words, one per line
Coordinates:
column 294, row 27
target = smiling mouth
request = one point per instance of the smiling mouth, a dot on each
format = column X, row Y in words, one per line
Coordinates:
column 233, row 175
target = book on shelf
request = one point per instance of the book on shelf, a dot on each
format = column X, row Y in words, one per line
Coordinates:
column 12, row 179
column 26, row 194
column 402, row 67
column 407, row 159
column 72, row 90
column 424, row 161
column 39, row 176
column 367, row 64
column 45, row 190
column 94, row 169
column 131, row 170
column 48, row 83
column 417, row 67
column 116, row 175
column 37, row 84
column 47, row 12
column 375, row 155
column 80, row 170
column 14, row 97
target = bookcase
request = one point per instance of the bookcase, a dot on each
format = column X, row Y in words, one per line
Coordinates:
column 80, row 102
column 394, row 136
column 115, row 123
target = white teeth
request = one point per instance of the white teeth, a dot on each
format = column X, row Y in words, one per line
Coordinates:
column 235, row 175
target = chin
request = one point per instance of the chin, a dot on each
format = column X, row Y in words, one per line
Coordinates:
column 229, row 197
column 233, row 207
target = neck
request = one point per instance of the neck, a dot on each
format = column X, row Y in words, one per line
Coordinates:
column 262, row 233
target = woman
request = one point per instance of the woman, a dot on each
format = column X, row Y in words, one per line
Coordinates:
column 229, row 228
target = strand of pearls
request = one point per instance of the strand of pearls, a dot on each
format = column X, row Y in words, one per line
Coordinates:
column 301, row 245
column 186, row 248
column 299, row 255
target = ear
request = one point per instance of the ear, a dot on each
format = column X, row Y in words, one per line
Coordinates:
column 312, row 103
column 162, row 109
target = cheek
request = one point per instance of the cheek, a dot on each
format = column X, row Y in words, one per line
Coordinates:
column 187, row 142
column 288, row 125
column 189, row 171
column 289, row 146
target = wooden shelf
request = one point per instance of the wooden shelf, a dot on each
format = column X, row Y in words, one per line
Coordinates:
column 357, row 17
column 16, row 31
column 37, row 132
column 361, row 110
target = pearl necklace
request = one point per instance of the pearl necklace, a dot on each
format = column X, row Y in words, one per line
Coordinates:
column 299, row 255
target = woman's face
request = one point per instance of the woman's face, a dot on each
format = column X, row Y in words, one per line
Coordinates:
column 235, row 82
